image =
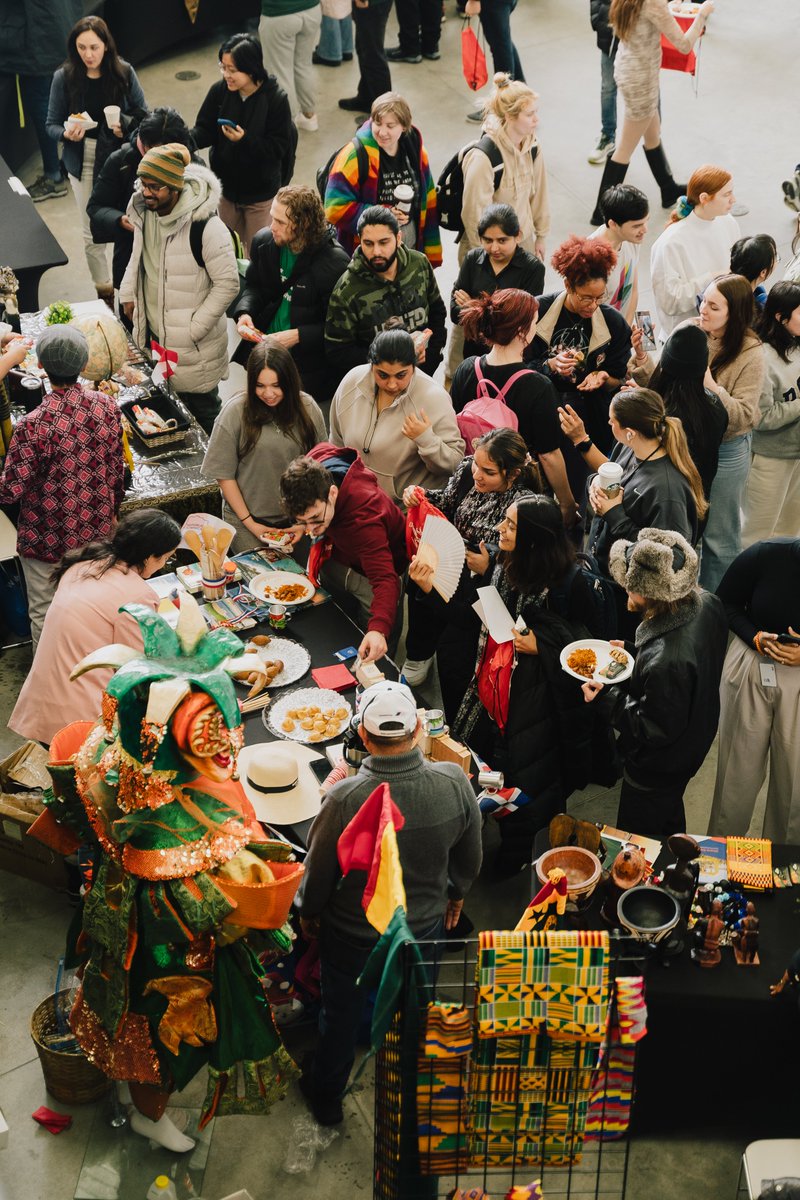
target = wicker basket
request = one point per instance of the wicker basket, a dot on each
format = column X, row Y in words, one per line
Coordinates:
column 70, row 1078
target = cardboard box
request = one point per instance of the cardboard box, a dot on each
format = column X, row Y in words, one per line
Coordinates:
column 23, row 855
column 447, row 749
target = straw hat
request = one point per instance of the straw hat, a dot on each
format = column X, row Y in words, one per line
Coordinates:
column 279, row 782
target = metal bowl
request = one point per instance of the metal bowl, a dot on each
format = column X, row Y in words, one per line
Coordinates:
column 581, row 867
column 648, row 912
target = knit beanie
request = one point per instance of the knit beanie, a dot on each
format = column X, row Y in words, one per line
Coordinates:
column 659, row 565
column 685, row 353
column 165, row 164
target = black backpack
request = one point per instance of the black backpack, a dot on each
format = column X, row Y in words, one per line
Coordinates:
column 450, row 184
column 601, row 588
column 196, row 231
column 363, row 166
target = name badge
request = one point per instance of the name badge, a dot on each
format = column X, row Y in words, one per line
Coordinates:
column 769, row 676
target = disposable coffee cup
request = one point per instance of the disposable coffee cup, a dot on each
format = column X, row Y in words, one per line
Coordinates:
column 609, row 477
column 112, row 112
column 404, row 197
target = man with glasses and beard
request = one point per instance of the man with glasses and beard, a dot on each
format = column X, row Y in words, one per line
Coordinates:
column 358, row 534
column 386, row 286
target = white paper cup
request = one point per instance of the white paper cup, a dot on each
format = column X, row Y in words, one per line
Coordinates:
column 609, row 477
column 404, row 197
column 112, row 112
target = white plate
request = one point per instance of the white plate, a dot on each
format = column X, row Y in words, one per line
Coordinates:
column 296, row 661
column 80, row 123
column 302, row 698
column 272, row 580
column 603, row 651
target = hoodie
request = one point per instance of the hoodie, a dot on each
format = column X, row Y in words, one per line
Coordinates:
column 367, row 533
column 252, row 169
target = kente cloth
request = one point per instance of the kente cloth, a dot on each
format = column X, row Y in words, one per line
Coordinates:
column 530, row 979
column 612, row 1093
column 441, row 1089
column 528, row 1099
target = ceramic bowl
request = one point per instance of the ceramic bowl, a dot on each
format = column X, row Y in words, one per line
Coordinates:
column 581, row 867
column 648, row 912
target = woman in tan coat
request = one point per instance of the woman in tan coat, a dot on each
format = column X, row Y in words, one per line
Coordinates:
column 512, row 115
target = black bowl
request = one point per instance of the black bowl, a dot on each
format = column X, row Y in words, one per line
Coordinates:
column 648, row 912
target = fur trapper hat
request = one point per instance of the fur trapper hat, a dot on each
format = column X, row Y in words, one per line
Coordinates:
column 660, row 565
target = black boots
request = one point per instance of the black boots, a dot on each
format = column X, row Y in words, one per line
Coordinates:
column 662, row 173
column 613, row 173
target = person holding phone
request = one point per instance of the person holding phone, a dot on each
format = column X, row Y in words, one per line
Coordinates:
column 760, row 693
column 474, row 500
column 247, row 122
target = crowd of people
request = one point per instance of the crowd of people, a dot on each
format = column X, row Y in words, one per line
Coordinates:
column 344, row 428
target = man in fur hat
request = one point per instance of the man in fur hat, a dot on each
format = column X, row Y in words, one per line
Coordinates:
column 667, row 713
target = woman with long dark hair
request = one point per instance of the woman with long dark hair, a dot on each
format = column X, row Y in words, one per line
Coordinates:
column 93, row 583
column 474, row 500
column 506, row 322
column 92, row 79
column 533, row 729
column 772, row 499
column 253, row 150
column 736, row 375
column 254, row 439
column 679, row 378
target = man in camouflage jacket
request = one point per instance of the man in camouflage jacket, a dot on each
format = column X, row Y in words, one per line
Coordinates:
column 386, row 286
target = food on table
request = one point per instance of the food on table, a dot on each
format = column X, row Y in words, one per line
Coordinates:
column 260, row 639
column 288, row 725
column 287, row 593
column 108, row 386
column 318, row 724
column 307, row 723
column 59, row 313
column 81, row 116
column 583, row 662
column 130, row 376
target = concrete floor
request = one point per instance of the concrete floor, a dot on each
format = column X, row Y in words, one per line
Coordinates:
column 738, row 113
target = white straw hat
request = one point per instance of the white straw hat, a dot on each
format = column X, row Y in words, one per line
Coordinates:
column 279, row 782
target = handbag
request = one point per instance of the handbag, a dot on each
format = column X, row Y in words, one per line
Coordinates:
column 473, row 60
column 415, row 521
column 494, row 679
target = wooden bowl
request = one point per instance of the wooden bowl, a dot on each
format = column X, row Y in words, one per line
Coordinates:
column 581, row 867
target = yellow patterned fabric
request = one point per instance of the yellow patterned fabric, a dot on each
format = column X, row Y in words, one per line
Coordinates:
column 532, row 980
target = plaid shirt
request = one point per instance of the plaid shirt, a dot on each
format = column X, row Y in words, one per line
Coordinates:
column 65, row 467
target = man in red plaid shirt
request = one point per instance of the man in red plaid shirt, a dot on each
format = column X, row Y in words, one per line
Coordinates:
column 64, row 467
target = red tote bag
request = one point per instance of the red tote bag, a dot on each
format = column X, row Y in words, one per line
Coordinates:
column 473, row 60
column 672, row 59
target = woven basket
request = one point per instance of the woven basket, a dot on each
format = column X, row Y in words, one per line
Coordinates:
column 70, row 1078
column 264, row 905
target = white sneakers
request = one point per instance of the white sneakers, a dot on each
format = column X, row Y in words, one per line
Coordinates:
column 310, row 124
column 603, row 150
column 415, row 671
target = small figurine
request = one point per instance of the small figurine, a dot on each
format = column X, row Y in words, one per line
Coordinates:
column 745, row 940
column 707, row 953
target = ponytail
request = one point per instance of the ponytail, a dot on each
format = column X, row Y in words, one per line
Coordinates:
column 673, row 439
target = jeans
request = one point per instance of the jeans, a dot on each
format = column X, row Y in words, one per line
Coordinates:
column 335, row 38
column 608, row 98
column 420, row 24
column 722, row 539
column 342, row 1011
column 496, row 24
column 375, row 77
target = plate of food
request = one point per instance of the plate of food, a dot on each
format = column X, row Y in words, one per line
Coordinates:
column 282, row 587
column 80, row 120
column 286, row 661
column 309, row 715
column 277, row 539
column 591, row 658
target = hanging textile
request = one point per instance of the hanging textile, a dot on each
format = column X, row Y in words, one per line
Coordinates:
column 612, row 1094
column 441, row 1089
column 530, row 980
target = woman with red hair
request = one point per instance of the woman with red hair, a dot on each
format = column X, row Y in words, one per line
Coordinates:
column 694, row 248
column 506, row 323
column 582, row 344
column 639, row 24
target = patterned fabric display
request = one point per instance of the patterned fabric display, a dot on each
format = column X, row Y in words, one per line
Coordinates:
column 529, row 1097
column 441, row 1083
column 612, row 1094
column 530, row 980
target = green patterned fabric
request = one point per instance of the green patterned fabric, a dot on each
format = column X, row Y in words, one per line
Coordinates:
column 109, row 922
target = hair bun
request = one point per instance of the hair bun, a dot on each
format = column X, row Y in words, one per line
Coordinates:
column 501, row 79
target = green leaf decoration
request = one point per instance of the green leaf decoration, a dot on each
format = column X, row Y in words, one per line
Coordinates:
column 160, row 639
column 218, row 645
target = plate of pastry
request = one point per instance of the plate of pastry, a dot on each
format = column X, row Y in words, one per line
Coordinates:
column 309, row 715
column 286, row 661
column 596, row 660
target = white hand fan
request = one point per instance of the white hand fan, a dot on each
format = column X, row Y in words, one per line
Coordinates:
column 442, row 548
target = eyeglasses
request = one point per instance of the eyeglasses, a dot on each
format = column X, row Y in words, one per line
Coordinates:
column 153, row 188
column 315, row 521
column 590, row 299
column 228, row 70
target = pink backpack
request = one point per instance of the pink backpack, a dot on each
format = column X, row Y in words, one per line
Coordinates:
column 488, row 411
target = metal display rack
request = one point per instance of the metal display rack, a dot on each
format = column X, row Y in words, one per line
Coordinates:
column 554, row 1097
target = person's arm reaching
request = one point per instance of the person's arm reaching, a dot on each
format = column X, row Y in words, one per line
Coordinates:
column 555, row 469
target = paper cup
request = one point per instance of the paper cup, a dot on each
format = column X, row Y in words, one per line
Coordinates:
column 609, row 476
column 214, row 589
column 404, row 197
column 112, row 112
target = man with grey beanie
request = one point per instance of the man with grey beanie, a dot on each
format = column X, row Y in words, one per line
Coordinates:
column 667, row 713
column 64, row 468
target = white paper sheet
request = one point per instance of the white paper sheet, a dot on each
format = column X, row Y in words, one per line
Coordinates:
column 494, row 614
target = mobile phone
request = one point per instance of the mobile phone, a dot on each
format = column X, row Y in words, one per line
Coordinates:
column 788, row 639
column 645, row 322
column 472, row 545
column 226, row 121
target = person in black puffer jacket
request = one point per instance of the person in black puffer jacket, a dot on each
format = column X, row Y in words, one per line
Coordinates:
column 113, row 187
column 667, row 713
column 293, row 269
column 541, row 739
column 253, row 154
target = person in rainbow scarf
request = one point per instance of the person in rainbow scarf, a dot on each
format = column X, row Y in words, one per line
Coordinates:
column 386, row 153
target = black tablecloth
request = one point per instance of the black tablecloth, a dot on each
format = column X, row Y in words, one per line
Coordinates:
column 26, row 243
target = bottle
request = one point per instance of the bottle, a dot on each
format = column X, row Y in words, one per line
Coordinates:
column 162, row 1188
